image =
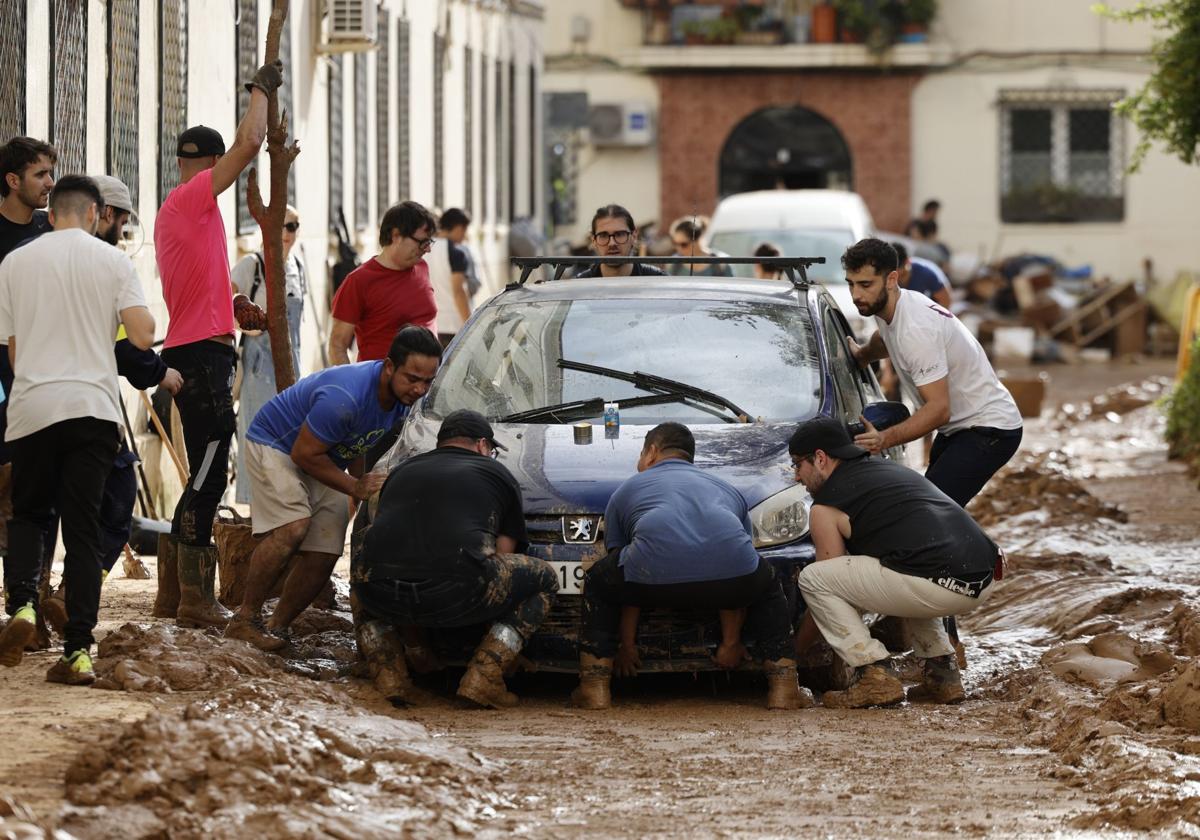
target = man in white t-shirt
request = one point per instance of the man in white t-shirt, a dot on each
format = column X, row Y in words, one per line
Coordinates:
column 449, row 266
column 62, row 298
column 942, row 368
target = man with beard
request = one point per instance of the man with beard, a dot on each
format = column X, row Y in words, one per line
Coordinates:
column 942, row 369
column 615, row 235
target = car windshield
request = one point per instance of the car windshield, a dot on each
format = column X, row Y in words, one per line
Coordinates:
column 829, row 243
column 758, row 355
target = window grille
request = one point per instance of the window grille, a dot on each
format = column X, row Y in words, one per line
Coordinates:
column 383, row 115
column 123, row 94
column 172, row 90
column 245, row 53
column 12, row 70
column 485, row 154
column 512, row 140
column 362, row 183
column 439, row 107
column 1062, row 157
column 403, row 84
column 68, row 96
column 335, row 140
column 501, row 138
column 468, row 131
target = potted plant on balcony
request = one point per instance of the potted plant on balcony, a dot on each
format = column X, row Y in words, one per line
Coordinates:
column 873, row 22
column 918, row 14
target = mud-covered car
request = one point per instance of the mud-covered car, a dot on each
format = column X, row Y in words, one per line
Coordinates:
column 739, row 361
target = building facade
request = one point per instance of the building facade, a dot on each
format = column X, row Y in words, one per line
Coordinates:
column 440, row 103
column 1002, row 111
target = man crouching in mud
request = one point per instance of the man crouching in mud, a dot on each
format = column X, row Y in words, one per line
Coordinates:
column 297, row 450
column 680, row 537
column 442, row 552
column 887, row 541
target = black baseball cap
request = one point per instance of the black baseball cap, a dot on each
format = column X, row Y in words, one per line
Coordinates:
column 465, row 423
column 824, row 433
column 199, row 141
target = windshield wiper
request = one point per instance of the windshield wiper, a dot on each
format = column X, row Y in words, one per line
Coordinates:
column 585, row 408
column 662, row 385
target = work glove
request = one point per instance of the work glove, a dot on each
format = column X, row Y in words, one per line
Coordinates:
column 268, row 78
column 250, row 316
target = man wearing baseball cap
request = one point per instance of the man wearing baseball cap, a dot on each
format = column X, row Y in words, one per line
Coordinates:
column 442, row 552
column 887, row 541
column 193, row 262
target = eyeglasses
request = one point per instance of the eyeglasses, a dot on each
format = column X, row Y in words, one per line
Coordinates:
column 493, row 452
column 291, row 227
column 620, row 237
column 796, row 462
column 424, row 244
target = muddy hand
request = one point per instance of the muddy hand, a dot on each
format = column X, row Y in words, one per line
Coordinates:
column 856, row 351
column 627, row 662
column 870, row 440
column 729, row 656
column 269, row 77
column 172, row 381
column 368, row 484
column 250, row 316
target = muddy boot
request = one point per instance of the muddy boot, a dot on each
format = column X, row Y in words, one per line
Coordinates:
column 783, row 689
column 941, row 682
column 876, row 684
column 198, row 605
column 166, row 600
column 75, row 669
column 54, row 609
column 595, row 683
column 380, row 645
column 19, row 632
column 484, row 681
column 254, row 631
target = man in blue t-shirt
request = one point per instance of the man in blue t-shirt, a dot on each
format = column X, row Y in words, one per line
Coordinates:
column 297, row 450
column 678, row 536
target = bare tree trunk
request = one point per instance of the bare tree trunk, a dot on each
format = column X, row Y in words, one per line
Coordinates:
column 270, row 217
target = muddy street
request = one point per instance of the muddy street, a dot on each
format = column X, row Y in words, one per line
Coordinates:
column 1082, row 717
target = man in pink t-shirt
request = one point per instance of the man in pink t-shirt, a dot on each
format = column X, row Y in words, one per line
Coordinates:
column 190, row 246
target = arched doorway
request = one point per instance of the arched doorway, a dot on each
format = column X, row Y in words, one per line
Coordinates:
column 785, row 148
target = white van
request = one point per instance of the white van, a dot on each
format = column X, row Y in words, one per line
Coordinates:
column 801, row 223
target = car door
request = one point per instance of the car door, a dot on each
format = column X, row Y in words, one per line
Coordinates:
column 847, row 378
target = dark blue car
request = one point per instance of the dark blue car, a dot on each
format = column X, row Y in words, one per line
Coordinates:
column 739, row 361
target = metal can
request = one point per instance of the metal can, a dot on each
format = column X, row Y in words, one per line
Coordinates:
column 583, row 433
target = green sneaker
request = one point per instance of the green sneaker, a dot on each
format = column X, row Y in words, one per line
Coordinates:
column 20, row 631
column 75, row 669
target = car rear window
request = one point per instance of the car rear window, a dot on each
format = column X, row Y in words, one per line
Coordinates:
column 829, row 243
column 759, row 355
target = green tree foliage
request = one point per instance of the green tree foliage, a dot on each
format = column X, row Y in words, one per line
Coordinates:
column 1167, row 108
column 1183, row 413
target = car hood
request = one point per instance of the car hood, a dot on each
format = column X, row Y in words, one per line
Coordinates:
column 558, row 475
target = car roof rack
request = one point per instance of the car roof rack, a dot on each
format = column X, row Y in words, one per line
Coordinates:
column 794, row 268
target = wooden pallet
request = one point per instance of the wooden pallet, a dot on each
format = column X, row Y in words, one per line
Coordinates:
column 1117, row 310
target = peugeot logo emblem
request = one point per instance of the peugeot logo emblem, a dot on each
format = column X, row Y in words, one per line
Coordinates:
column 580, row 529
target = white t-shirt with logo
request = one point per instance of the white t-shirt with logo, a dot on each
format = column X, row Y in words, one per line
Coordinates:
column 927, row 343
column 61, row 296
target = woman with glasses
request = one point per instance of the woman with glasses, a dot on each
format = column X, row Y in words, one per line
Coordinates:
column 257, row 370
column 687, row 235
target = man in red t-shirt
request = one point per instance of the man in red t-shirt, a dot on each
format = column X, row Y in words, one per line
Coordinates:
column 388, row 291
column 191, row 250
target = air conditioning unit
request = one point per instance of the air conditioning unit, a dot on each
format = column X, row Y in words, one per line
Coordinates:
column 349, row 26
column 621, row 124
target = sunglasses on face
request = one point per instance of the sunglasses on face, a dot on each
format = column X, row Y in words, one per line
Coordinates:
column 620, row 237
column 291, row 227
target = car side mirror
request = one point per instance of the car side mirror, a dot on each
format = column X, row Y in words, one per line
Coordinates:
column 884, row 415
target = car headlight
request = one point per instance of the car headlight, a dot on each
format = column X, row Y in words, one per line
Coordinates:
column 783, row 518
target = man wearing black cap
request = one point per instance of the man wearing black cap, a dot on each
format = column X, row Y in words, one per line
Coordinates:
column 889, row 542
column 442, row 552
column 191, row 250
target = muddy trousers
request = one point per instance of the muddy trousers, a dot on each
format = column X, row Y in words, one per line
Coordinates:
column 510, row 589
column 838, row 590
column 205, row 405
column 62, row 467
column 605, row 592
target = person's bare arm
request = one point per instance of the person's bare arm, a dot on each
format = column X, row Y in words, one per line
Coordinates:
column 312, row 455
column 806, row 635
column 139, row 326
column 942, row 297
column 341, row 335
column 731, row 652
column 458, row 284
column 627, row 660
column 505, row 545
column 872, row 351
column 251, row 132
column 828, row 527
column 934, row 414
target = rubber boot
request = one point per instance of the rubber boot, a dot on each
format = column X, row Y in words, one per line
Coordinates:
column 876, row 684
column 483, row 683
column 380, row 645
column 198, row 605
column 783, row 688
column 166, row 600
column 940, row 683
column 595, row 683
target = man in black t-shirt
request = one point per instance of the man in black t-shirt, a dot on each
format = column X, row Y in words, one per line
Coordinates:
column 615, row 235
column 442, row 552
column 889, row 542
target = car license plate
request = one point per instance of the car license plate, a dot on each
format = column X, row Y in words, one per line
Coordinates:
column 570, row 577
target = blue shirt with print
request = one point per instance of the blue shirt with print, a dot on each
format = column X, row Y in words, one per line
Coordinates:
column 339, row 404
column 676, row 523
